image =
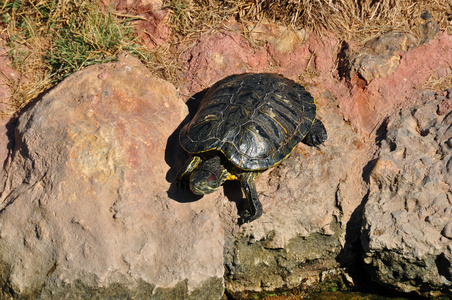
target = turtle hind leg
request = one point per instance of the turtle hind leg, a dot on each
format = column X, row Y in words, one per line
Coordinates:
column 182, row 178
column 249, row 188
column 316, row 135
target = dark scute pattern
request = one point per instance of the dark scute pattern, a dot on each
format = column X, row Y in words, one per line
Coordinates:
column 254, row 119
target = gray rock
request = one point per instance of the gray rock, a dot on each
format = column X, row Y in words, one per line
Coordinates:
column 406, row 230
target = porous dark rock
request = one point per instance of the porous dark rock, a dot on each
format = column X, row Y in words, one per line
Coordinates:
column 406, row 233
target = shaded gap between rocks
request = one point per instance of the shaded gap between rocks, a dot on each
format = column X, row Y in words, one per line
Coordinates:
column 175, row 156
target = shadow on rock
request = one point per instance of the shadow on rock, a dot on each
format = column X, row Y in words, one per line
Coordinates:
column 233, row 191
column 10, row 128
column 11, row 125
column 175, row 156
column 350, row 256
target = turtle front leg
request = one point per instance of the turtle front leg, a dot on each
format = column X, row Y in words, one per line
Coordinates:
column 249, row 188
column 182, row 178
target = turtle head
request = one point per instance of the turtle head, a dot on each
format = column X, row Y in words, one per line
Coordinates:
column 208, row 177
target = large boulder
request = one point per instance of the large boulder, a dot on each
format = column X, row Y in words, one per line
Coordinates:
column 84, row 210
column 407, row 230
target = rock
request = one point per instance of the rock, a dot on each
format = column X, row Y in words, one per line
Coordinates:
column 216, row 56
column 444, row 106
column 447, row 230
column 85, row 211
column 311, row 61
column 428, row 28
column 282, row 38
column 224, row 53
column 367, row 104
column 380, row 57
column 406, row 229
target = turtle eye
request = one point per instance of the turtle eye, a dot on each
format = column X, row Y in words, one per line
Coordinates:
column 212, row 178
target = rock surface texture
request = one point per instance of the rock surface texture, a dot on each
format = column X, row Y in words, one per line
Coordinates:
column 84, row 208
column 406, row 234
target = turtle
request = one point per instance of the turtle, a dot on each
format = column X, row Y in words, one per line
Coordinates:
column 245, row 124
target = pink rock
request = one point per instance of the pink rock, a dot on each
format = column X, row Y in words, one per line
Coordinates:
column 367, row 106
column 216, row 56
column 85, row 199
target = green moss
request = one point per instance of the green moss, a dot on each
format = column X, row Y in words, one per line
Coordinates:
column 254, row 265
column 210, row 289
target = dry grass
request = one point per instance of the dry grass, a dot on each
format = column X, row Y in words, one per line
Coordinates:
column 348, row 19
column 436, row 83
column 50, row 39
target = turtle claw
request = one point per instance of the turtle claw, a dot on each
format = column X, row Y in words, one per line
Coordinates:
column 246, row 217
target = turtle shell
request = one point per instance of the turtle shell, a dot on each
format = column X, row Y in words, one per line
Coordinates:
column 255, row 120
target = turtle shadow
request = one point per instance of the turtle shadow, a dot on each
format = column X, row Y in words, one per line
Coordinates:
column 233, row 191
column 175, row 156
